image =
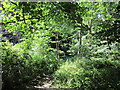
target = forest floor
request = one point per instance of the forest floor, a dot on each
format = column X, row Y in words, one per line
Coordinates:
column 43, row 82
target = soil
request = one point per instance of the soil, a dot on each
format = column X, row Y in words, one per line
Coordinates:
column 43, row 82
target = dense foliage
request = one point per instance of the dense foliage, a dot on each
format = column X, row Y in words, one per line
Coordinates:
column 77, row 43
column 94, row 74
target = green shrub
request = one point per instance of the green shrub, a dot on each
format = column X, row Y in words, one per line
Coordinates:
column 44, row 60
column 17, row 67
column 21, row 66
column 45, row 64
column 95, row 74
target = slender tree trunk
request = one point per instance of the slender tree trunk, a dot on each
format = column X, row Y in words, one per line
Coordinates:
column 80, row 40
column 57, row 44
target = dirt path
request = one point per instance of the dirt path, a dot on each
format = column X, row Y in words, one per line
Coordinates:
column 43, row 82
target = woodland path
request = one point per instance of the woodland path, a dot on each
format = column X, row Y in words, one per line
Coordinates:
column 43, row 82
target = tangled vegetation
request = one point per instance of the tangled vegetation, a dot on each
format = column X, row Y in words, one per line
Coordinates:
column 78, row 44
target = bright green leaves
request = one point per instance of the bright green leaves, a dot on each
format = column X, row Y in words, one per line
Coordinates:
column 85, row 74
column 55, row 31
column 97, row 12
